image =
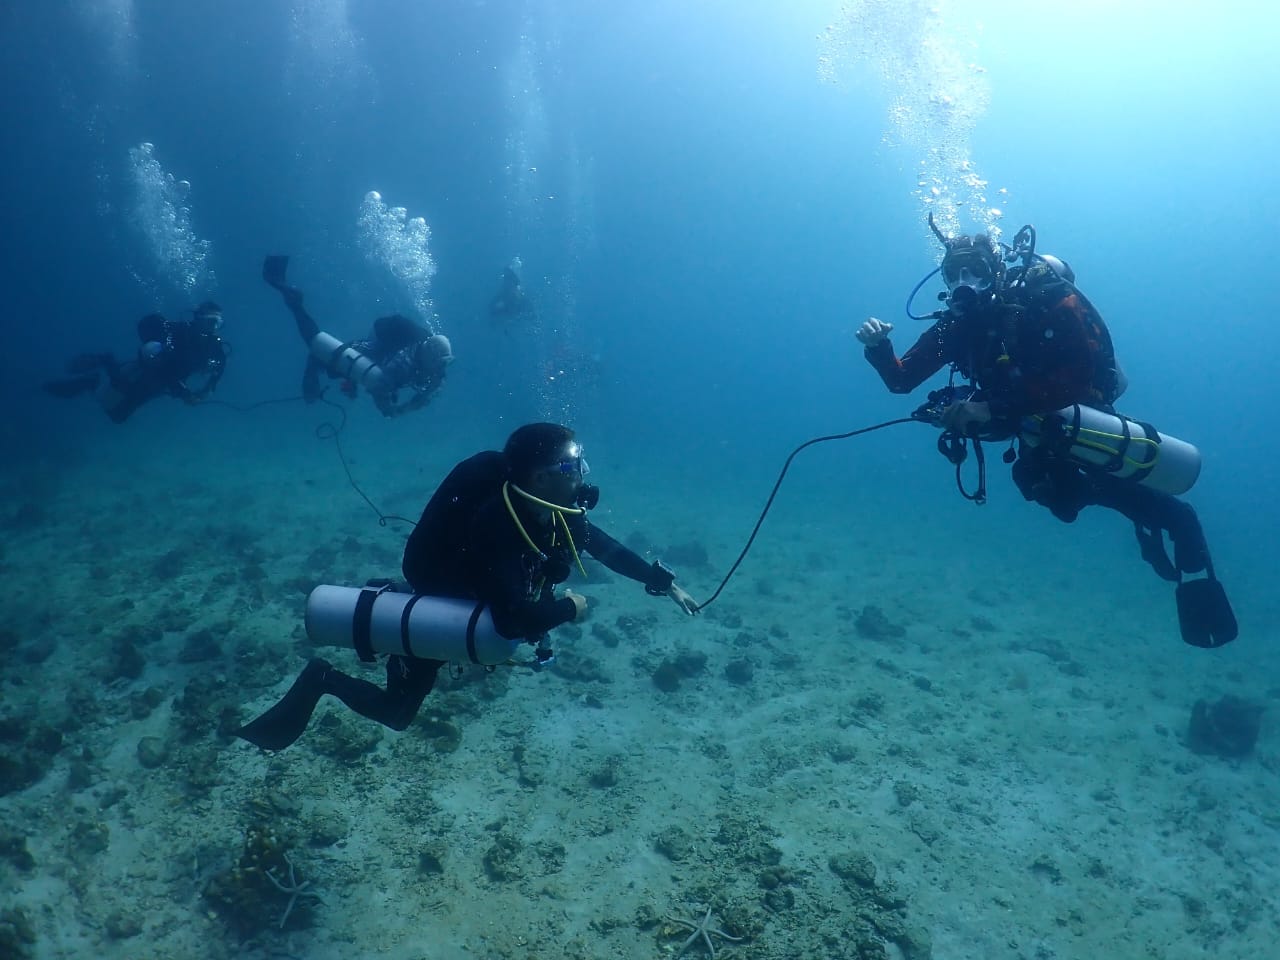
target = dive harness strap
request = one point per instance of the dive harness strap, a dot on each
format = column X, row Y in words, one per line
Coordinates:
column 362, row 621
column 404, row 624
column 362, row 617
column 471, row 632
column 1067, row 434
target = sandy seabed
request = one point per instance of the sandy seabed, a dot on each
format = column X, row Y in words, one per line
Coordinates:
column 859, row 751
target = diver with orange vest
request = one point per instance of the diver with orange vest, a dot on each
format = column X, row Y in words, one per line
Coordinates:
column 1042, row 375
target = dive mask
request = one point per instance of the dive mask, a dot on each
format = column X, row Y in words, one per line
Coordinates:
column 575, row 465
column 967, row 268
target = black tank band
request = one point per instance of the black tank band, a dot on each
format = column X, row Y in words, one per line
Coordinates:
column 362, row 618
column 404, row 624
column 471, row 632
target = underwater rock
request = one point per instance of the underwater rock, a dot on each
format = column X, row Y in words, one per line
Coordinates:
column 153, row 752
column 17, row 934
column 605, row 775
column 874, row 625
column 636, row 629
column 854, row 867
column 502, row 860
column 674, row 843
column 739, row 672
column 440, row 732
column 1227, row 727
column 431, row 859
column 13, row 850
column 690, row 554
column 201, row 709
column 263, row 889
column 606, row 635
column 666, row 677
column 27, row 752
column 122, row 925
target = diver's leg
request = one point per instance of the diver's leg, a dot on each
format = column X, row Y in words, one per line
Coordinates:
column 85, row 369
column 409, row 680
column 90, row 363
column 128, row 386
column 71, row 386
column 1153, row 511
column 308, row 329
column 1204, row 612
column 311, row 389
column 274, row 270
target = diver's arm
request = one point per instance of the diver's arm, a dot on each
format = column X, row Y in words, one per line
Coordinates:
column 517, row 618
column 618, row 558
column 926, row 357
column 657, row 579
column 215, row 365
column 505, row 588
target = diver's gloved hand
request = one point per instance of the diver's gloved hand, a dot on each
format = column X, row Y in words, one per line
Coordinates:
column 873, row 331
column 966, row 417
column 579, row 603
column 683, row 600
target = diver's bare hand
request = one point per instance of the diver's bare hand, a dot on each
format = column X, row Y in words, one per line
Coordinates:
column 873, row 332
column 966, row 415
column 683, row 600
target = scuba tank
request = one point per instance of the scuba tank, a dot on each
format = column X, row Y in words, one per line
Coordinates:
column 1125, row 448
column 345, row 362
column 376, row 619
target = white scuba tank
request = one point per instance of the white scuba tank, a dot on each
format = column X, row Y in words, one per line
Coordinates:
column 430, row 628
column 1123, row 447
column 345, row 361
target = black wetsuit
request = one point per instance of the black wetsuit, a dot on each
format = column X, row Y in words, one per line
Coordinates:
column 172, row 352
column 465, row 545
column 392, row 346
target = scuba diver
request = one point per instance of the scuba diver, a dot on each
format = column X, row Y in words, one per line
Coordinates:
column 401, row 363
column 1043, row 376
column 170, row 353
column 510, row 304
column 502, row 531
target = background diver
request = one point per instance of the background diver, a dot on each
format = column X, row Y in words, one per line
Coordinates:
column 1031, row 344
column 510, row 304
column 504, row 529
column 401, row 363
column 170, row 353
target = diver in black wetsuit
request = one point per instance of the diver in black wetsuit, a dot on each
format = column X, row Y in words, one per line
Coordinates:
column 503, row 529
column 170, row 353
column 510, row 304
column 401, row 363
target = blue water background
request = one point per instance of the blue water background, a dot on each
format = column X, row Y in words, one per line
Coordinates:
column 718, row 218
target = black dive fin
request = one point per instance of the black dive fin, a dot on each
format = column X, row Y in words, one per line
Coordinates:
column 1204, row 614
column 274, row 269
column 284, row 723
